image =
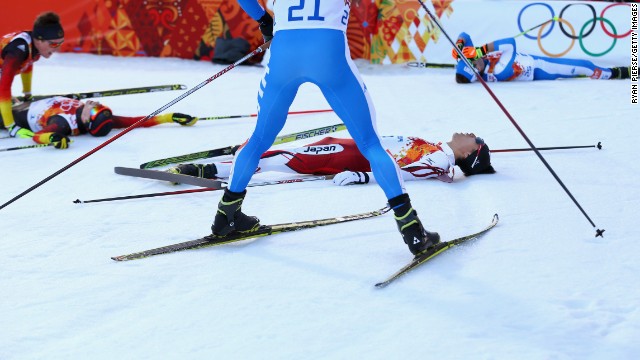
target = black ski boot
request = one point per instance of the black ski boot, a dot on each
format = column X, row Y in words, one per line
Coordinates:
column 230, row 218
column 207, row 171
column 413, row 233
column 620, row 73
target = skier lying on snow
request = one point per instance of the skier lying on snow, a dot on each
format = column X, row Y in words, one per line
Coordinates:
column 53, row 120
column 500, row 61
column 417, row 159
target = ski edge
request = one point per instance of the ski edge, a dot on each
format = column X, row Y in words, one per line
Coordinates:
column 444, row 246
column 223, row 151
column 167, row 176
column 265, row 230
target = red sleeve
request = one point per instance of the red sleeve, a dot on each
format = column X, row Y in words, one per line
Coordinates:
column 10, row 68
column 121, row 122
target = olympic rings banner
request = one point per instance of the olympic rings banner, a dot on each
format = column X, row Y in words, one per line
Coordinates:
column 598, row 31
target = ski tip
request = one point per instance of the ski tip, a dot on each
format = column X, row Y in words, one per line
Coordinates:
column 496, row 218
column 77, row 201
column 183, row 87
column 381, row 285
column 117, row 258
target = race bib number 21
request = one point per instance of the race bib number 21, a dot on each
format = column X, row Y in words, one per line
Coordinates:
column 299, row 13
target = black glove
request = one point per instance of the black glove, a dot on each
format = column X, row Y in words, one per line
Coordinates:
column 266, row 26
column 59, row 141
column 184, row 119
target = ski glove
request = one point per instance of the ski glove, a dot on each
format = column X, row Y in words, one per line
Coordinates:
column 59, row 141
column 19, row 132
column 474, row 53
column 266, row 26
column 351, row 178
column 459, row 45
column 183, row 119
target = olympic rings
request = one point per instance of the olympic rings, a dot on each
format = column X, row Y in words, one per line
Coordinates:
column 614, row 38
column 593, row 11
column 520, row 23
column 583, row 33
column 573, row 39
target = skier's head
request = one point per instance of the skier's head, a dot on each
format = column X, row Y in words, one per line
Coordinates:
column 47, row 34
column 96, row 118
column 101, row 120
column 476, row 158
column 464, row 74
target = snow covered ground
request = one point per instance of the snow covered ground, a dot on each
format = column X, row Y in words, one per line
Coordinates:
column 538, row 286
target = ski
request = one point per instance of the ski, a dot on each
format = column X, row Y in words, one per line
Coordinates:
column 227, row 150
column 230, row 150
column 264, row 230
column 167, row 176
column 309, row 133
column 435, row 251
column 130, row 91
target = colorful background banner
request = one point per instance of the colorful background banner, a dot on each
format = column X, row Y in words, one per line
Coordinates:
column 382, row 31
column 598, row 31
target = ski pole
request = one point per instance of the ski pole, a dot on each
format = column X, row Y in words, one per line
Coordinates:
column 105, row 93
column 78, row 201
column 190, row 191
column 25, row 147
column 254, row 115
column 555, row 18
column 599, row 232
column 420, row 64
column 598, row 146
column 259, row 50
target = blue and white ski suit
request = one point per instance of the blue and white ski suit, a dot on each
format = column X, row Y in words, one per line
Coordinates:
column 310, row 45
column 506, row 64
